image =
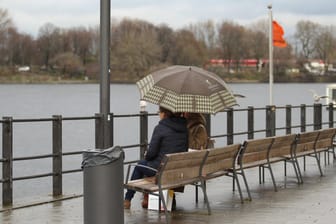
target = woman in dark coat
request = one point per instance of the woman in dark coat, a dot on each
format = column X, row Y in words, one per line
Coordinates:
column 169, row 136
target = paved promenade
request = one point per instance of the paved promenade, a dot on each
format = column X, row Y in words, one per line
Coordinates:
column 312, row 202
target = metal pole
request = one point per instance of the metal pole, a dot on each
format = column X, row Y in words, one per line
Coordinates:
column 270, row 55
column 105, row 15
column 103, row 183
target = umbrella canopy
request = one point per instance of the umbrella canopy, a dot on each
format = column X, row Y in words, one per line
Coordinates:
column 186, row 89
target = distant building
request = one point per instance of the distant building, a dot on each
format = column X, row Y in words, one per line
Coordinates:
column 24, row 69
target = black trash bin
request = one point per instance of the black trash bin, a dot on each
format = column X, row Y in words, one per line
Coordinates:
column 103, row 175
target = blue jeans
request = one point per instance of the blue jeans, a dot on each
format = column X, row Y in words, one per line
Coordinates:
column 138, row 173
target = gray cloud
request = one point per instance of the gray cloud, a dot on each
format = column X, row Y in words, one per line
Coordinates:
column 29, row 16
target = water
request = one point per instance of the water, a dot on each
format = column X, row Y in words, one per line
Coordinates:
column 43, row 101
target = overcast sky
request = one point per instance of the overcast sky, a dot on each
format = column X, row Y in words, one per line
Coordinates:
column 30, row 15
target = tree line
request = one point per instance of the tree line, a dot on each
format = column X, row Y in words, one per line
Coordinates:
column 139, row 47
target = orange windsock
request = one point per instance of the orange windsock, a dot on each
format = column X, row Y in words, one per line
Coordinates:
column 278, row 33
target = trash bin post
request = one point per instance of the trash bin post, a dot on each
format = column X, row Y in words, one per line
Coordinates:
column 103, row 186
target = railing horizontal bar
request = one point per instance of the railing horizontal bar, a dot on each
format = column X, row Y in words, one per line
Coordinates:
column 33, row 157
column 78, row 118
column 130, row 146
column 72, row 171
column 33, row 176
column 72, row 153
column 32, row 120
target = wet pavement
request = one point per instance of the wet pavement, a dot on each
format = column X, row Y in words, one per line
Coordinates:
column 314, row 201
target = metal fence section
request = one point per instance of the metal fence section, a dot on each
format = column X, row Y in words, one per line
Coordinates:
column 268, row 121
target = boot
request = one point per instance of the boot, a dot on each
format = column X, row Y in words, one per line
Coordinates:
column 144, row 202
column 127, row 204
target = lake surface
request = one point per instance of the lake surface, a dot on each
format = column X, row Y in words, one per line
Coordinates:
column 43, row 101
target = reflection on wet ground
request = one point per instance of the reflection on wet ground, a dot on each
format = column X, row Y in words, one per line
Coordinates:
column 312, row 202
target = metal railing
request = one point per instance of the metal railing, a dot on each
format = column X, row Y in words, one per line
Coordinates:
column 270, row 128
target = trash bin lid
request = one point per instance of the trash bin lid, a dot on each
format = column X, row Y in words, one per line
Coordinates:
column 95, row 158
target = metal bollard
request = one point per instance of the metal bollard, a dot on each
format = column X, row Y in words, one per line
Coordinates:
column 103, row 186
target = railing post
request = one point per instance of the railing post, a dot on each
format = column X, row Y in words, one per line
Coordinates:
column 331, row 115
column 270, row 121
column 317, row 116
column 104, row 131
column 288, row 119
column 229, row 126
column 143, row 133
column 57, row 155
column 250, row 122
column 7, row 165
column 303, row 117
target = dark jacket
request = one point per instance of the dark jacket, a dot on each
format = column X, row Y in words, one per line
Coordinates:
column 169, row 136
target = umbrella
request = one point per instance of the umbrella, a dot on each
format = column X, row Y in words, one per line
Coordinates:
column 186, row 89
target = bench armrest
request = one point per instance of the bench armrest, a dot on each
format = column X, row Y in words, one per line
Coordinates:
column 129, row 169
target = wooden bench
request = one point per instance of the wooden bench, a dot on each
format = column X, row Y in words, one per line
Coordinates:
column 281, row 150
column 325, row 143
column 180, row 169
column 312, row 144
column 220, row 162
column 176, row 170
column 253, row 154
column 262, row 153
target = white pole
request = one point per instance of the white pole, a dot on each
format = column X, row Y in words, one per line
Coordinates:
column 270, row 55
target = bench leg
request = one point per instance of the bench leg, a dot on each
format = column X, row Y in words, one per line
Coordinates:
column 285, row 168
column 246, row 185
column 162, row 199
column 318, row 163
column 196, row 193
column 272, row 176
column 298, row 177
column 203, row 186
column 235, row 178
column 296, row 162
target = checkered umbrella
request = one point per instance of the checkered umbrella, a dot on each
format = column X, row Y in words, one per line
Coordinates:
column 186, row 89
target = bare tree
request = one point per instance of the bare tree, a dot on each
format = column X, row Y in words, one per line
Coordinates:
column 135, row 48
column 231, row 38
column 80, row 41
column 49, row 42
column 207, row 33
column 325, row 44
column 68, row 63
column 166, row 39
column 306, row 34
column 5, row 26
column 187, row 50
